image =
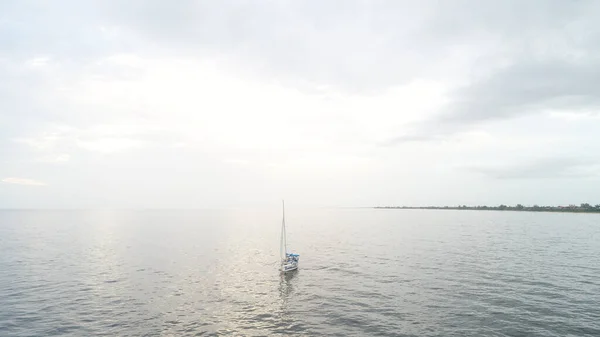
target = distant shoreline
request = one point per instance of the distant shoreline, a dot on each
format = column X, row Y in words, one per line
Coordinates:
column 583, row 208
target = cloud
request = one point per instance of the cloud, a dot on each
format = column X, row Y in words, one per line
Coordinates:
column 270, row 96
column 585, row 116
column 38, row 62
column 528, row 87
column 23, row 181
column 45, row 141
column 62, row 142
column 544, row 168
column 234, row 161
column 561, row 88
column 59, row 158
column 110, row 145
column 364, row 47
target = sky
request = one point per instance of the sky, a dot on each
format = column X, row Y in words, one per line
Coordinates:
column 202, row 104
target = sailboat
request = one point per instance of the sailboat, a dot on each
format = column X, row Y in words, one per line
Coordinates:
column 289, row 261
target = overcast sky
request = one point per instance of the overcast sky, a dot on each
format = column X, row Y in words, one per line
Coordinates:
column 194, row 104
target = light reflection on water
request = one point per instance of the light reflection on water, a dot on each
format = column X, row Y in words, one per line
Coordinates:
column 362, row 272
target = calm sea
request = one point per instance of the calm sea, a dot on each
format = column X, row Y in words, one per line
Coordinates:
column 363, row 272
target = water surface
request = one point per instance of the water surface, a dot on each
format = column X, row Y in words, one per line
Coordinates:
column 363, row 272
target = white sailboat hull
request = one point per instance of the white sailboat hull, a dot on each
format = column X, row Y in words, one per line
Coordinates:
column 289, row 267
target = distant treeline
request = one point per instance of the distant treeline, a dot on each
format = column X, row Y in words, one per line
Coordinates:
column 583, row 208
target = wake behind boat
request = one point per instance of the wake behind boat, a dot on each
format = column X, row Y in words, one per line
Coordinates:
column 289, row 261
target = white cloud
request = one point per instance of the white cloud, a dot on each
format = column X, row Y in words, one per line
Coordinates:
column 59, row 158
column 201, row 103
column 60, row 143
column 23, row 181
column 45, row 141
column 237, row 162
column 110, row 145
column 296, row 97
column 575, row 116
column 38, row 62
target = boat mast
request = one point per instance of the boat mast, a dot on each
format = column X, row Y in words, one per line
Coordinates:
column 284, row 231
column 283, row 247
